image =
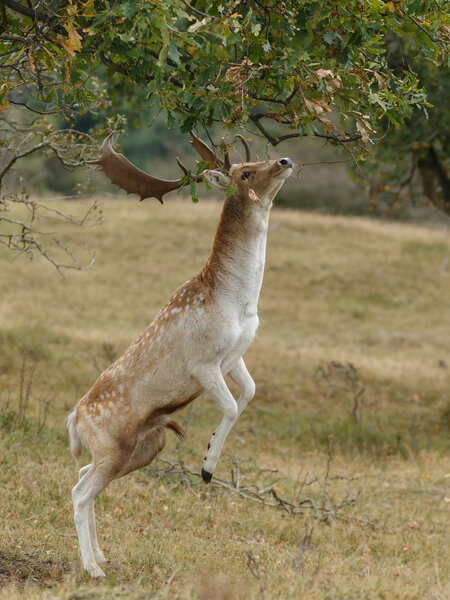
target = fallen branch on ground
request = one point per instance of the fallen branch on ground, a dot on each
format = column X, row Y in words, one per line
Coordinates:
column 326, row 511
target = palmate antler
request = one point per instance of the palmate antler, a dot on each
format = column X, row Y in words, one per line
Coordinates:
column 134, row 181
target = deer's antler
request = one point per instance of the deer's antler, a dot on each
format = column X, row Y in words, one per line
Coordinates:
column 127, row 176
column 248, row 156
column 134, row 181
column 227, row 163
column 205, row 152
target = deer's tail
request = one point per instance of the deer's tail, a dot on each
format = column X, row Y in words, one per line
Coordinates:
column 74, row 437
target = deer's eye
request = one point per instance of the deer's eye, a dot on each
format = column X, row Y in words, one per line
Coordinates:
column 245, row 174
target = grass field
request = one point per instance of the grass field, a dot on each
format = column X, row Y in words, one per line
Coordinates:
column 335, row 483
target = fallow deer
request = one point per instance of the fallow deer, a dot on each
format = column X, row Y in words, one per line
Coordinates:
column 197, row 339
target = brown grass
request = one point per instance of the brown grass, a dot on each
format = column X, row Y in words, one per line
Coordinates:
column 336, row 291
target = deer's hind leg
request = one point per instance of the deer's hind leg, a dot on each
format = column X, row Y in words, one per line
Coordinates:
column 148, row 445
column 108, row 465
column 98, row 554
column 93, row 480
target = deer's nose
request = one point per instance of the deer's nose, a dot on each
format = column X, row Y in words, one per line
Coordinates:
column 285, row 162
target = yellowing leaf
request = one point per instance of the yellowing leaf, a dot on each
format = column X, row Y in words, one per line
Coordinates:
column 390, row 7
column 333, row 80
column 317, row 107
column 31, row 62
column 48, row 58
column 73, row 42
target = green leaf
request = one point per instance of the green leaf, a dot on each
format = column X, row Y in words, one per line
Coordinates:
column 230, row 190
column 173, row 52
column 194, row 193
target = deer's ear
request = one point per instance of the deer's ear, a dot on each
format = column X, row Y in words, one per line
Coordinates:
column 217, row 179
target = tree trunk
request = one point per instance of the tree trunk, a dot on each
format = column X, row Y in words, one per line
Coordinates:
column 435, row 182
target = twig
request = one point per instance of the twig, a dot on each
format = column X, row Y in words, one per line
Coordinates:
column 282, row 501
column 417, row 24
column 257, row 573
column 298, row 561
column 326, row 495
column 39, row 112
column 196, row 11
column 325, row 162
column 326, row 512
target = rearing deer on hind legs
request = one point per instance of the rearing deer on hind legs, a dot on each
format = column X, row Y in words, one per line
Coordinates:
column 197, row 339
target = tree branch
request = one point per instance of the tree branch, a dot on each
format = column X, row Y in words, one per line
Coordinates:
column 417, row 24
column 39, row 112
column 120, row 69
column 32, row 13
column 26, row 11
column 196, row 11
column 349, row 137
column 17, row 156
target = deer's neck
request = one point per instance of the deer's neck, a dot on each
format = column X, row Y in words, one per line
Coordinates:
column 236, row 265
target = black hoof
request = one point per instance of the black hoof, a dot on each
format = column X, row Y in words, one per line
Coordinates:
column 206, row 476
column 209, row 445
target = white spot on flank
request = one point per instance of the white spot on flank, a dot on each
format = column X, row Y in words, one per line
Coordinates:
column 102, row 396
column 113, row 394
column 121, row 389
column 200, row 311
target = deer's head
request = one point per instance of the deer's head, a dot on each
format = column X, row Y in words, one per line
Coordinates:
column 259, row 181
column 254, row 181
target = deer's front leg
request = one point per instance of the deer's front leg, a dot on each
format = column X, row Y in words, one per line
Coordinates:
column 212, row 381
column 242, row 378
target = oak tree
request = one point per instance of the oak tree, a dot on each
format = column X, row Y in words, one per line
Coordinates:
column 279, row 70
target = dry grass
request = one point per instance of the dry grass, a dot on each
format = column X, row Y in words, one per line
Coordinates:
column 336, row 291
